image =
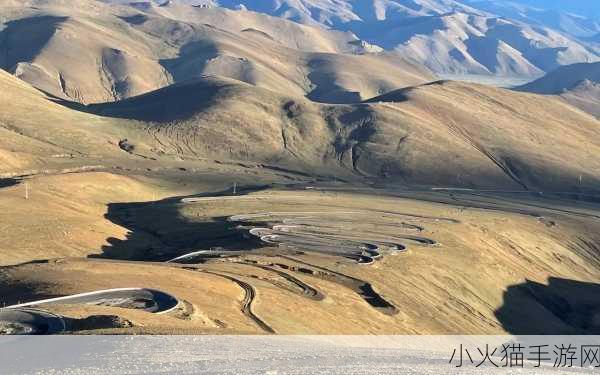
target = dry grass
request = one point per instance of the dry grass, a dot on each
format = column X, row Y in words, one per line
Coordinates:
column 111, row 56
column 88, row 196
column 431, row 287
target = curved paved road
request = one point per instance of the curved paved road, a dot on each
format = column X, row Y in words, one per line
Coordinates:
column 357, row 235
column 149, row 300
column 362, row 236
column 25, row 321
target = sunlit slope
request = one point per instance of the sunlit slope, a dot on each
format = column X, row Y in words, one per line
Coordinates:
column 471, row 282
column 442, row 134
column 92, row 52
column 534, row 141
column 64, row 215
column 579, row 84
column 36, row 131
column 448, row 36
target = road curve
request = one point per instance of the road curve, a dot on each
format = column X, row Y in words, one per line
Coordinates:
column 307, row 290
column 361, row 236
column 149, row 300
column 204, row 254
column 249, row 296
column 26, row 321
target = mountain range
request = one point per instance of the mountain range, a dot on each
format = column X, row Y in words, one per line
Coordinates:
column 298, row 167
column 105, row 53
column 577, row 18
column 578, row 84
column 508, row 38
column 177, row 81
column 449, row 38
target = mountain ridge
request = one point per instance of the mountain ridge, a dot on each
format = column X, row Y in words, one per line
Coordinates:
column 451, row 37
column 438, row 134
column 100, row 52
column 578, row 84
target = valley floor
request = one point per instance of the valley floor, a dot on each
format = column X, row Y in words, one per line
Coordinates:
column 296, row 258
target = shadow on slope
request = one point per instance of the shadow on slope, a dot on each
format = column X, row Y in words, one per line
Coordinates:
column 158, row 231
column 191, row 60
column 327, row 91
column 13, row 292
column 22, row 40
column 8, row 182
column 402, row 95
column 563, row 307
column 323, row 77
column 174, row 102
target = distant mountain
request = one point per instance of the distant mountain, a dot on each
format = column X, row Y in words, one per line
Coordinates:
column 565, row 78
column 577, row 18
column 458, row 37
column 589, row 8
column 479, row 44
column 338, row 51
column 93, row 52
column 330, row 13
column 579, row 84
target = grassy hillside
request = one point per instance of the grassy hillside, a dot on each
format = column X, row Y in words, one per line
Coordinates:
column 91, row 52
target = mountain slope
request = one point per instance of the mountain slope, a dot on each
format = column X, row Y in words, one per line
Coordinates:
column 95, row 52
column 564, row 79
column 579, row 19
column 579, row 84
column 519, row 134
column 485, row 136
column 442, row 134
column 447, row 36
column 38, row 134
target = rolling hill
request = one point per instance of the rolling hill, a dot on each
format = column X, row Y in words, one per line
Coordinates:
column 108, row 181
column 399, row 136
column 402, row 136
column 449, row 37
column 278, row 178
column 97, row 52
